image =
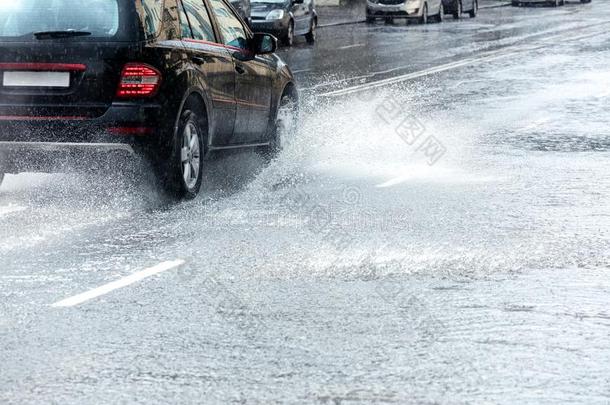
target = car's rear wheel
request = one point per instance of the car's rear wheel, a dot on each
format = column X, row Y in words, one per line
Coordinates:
column 289, row 35
column 424, row 15
column 182, row 174
column 284, row 127
column 311, row 35
column 475, row 8
column 457, row 9
column 441, row 12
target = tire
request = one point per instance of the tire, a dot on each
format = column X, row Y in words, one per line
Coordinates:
column 475, row 8
column 457, row 10
column 288, row 39
column 424, row 16
column 181, row 174
column 310, row 37
column 441, row 11
column 285, row 125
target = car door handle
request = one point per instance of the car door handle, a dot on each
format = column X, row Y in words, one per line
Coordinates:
column 198, row 60
column 239, row 69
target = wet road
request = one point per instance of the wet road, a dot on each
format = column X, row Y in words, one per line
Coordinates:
column 437, row 232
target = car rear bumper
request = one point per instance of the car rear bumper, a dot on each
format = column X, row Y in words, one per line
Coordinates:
column 57, row 143
column 121, row 123
column 51, row 147
column 16, row 157
column 391, row 10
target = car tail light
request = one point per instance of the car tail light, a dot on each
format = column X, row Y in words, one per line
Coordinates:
column 139, row 80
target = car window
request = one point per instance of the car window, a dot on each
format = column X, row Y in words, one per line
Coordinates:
column 151, row 12
column 199, row 19
column 23, row 17
column 232, row 31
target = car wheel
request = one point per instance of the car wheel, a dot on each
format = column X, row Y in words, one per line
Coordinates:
column 475, row 8
column 441, row 11
column 424, row 16
column 457, row 10
column 284, row 127
column 311, row 35
column 182, row 174
column 289, row 35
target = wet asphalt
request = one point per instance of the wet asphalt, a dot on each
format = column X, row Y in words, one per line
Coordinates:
column 437, row 232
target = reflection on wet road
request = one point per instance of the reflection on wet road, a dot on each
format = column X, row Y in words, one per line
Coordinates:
column 443, row 238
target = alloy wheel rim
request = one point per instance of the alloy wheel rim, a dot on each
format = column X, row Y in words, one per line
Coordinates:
column 190, row 155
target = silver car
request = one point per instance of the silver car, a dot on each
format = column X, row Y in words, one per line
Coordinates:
column 420, row 10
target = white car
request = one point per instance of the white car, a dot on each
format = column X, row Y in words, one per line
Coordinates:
column 420, row 10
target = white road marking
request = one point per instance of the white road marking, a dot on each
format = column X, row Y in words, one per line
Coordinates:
column 301, row 71
column 115, row 285
column 394, row 182
column 351, row 46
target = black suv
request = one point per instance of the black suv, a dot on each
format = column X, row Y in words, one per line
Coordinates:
column 169, row 80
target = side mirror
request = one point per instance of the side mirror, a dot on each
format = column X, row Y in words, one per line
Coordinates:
column 264, row 44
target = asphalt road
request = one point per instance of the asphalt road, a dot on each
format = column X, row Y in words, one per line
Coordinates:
column 438, row 232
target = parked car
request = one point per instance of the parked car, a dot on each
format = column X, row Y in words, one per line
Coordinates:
column 243, row 8
column 459, row 7
column 169, row 80
column 420, row 10
column 286, row 19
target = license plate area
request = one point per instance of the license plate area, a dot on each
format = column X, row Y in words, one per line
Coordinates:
column 31, row 79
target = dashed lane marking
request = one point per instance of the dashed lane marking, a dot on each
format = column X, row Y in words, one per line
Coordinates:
column 115, row 285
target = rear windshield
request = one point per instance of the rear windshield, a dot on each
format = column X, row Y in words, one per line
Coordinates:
column 22, row 18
